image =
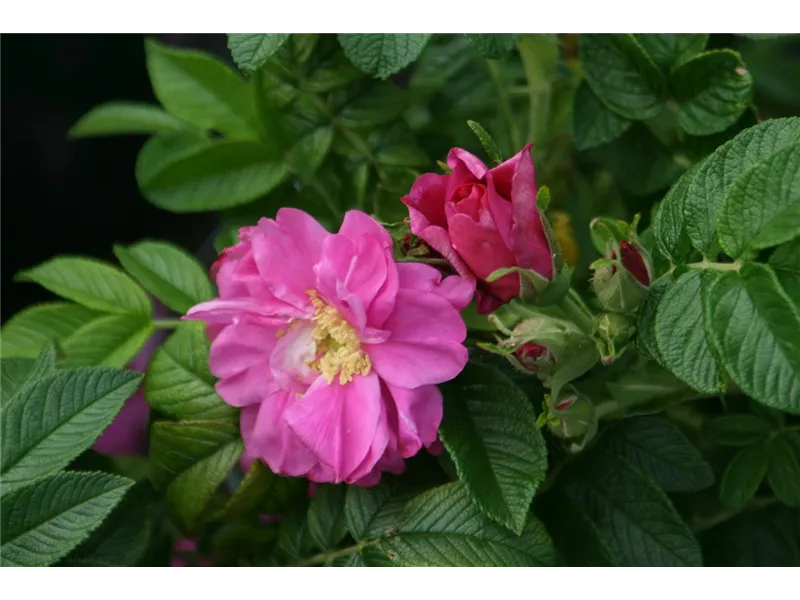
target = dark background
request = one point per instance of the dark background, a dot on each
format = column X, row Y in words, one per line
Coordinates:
column 62, row 196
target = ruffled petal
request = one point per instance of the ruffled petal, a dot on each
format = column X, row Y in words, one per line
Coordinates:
column 419, row 276
column 419, row 414
column 339, row 423
column 425, row 346
column 267, row 436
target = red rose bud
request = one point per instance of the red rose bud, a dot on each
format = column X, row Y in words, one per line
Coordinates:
column 612, row 332
column 622, row 278
column 483, row 220
column 536, row 342
column 571, row 416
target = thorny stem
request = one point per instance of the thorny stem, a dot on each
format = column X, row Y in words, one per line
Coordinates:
column 324, row 558
column 505, row 105
column 726, row 515
column 166, row 323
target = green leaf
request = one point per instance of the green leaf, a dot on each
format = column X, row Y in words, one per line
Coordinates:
column 669, row 225
column 262, row 490
column 783, row 470
column 761, row 208
column 210, row 176
column 489, row 430
column 489, row 145
column 178, row 381
column 681, row 336
column 56, row 418
column 293, row 537
column 190, row 460
column 594, row 124
column 672, row 49
column 250, row 51
column 713, row 89
column 442, row 527
column 737, row 430
column 382, row 54
column 622, row 75
column 44, row 521
column 744, row 475
column 199, row 88
column 635, row 518
column 785, row 262
column 107, row 341
column 19, row 372
column 326, row 520
column 168, row 272
column 646, row 340
column 661, row 452
column 576, row 537
column 123, row 538
column 27, row 332
column 691, row 207
column 308, row 153
column 377, row 104
column 376, row 511
column 769, row 537
column 640, row 163
column 492, row 45
column 91, row 283
column 755, row 329
column 115, row 118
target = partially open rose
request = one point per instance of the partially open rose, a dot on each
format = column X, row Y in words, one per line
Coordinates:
column 482, row 220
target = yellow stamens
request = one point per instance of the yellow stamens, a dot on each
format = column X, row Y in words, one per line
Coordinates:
column 338, row 346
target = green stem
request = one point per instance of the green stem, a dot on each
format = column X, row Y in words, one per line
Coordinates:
column 166, row 323
column 505, row 105
column 576, row 309
column 324, row 558
column 539, row 55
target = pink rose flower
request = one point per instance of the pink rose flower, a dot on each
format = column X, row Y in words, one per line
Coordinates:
column 481, row 220
column 127, row 434
column 332, row 349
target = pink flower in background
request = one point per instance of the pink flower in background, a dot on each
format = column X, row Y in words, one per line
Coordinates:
column 127, row 434
column 482, row 220
column 332, row 349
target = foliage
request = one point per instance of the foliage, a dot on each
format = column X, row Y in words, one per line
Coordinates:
column 666, row 433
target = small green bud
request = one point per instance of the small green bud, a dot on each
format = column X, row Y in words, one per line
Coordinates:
column 612, row 332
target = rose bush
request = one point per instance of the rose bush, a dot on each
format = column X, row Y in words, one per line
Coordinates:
column 390, row 364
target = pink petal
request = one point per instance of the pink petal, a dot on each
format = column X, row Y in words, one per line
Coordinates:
column 482, row 248
column 240, row 346
column 427, row 197
column 439, row 239
column 503, row 174
column 501, row 211
column 339, row 423
column 419, row 276
column 267, row 436
column 225, row 312
column 248, row 387
column 458, row 157
column 350, row 274
column 289, row 363
column 286, row 251
column 358, row 224
column 419, row 414
column 425, row 346
column 529, row 241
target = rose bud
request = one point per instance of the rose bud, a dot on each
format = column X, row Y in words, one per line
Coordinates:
column 483, row 220
column 570, row 416
column 612, row 332
column 622, row 277
column 538, row 342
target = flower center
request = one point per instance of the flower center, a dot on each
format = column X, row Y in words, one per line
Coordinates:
column 338, row 347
